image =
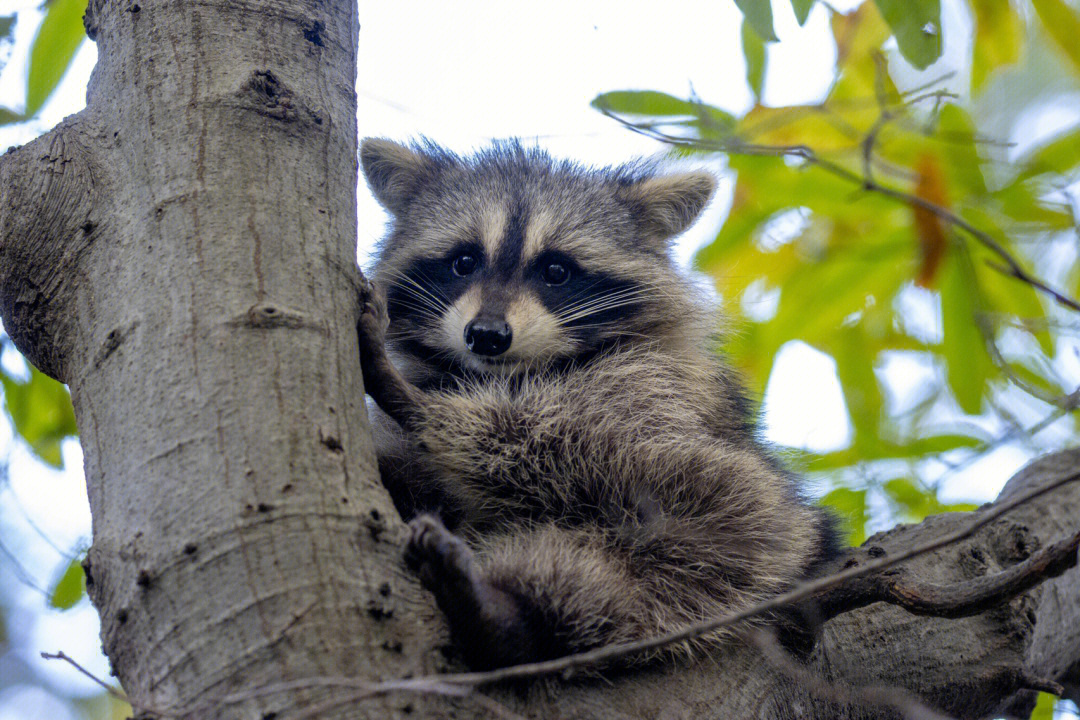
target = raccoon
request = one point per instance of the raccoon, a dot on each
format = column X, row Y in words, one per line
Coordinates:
column 580, row 466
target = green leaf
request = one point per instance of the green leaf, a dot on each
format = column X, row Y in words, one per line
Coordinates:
column 916, row 24
column 802, row 9
column 41, row 412
column 7, row 116
column 651, row 103
column 862, row 395
column 70, row 588
column 850, row 505
column 754, row 51
column 57, row 39
column 759, row 14
column 963, row 344
column 916, row 502
column 1062, row 23
column 1044, row 707
column 1060, row 156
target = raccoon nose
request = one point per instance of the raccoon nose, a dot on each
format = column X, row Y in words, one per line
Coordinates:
column 488, row 337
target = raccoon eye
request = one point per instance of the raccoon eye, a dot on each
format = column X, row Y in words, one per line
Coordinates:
column 464, row 264
column 555, row 273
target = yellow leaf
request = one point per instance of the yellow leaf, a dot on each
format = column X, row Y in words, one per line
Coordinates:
column 999, row 32
column 1062, row 23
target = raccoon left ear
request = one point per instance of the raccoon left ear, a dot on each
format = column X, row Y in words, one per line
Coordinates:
column 394, row 172
column 666, row 205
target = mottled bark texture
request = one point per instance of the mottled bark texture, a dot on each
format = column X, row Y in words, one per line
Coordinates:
column 181, row 253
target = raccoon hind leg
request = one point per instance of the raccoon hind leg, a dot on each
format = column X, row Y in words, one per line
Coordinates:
column 487, row 624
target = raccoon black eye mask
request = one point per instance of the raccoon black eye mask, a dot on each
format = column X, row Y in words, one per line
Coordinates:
column 577, row 464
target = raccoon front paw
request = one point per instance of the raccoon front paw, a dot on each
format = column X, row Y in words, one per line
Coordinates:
column 397, row 397
column 374, row 321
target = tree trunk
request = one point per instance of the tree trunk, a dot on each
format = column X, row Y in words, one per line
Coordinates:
column 182, row 254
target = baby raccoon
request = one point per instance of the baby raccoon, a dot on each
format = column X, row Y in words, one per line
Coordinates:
column 554, row 395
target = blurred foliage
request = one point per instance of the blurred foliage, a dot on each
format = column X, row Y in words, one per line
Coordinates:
column 41, row 413
column 70, row 587
column 848, row 211
column 58, row 38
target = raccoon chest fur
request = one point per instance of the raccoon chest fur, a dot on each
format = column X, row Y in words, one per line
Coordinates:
column 551, row 393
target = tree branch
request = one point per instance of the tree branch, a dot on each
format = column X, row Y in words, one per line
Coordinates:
column 954, row 600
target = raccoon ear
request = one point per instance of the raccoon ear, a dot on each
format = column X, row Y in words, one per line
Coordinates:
column 666, row 205
column 394, row 172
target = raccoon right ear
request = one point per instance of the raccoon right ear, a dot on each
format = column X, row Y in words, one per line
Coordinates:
column 394, row 172
column 665, row 205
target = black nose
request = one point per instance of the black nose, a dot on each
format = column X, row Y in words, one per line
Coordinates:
column 488, row 337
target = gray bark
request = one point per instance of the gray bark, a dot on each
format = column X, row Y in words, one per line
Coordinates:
column 181, row 253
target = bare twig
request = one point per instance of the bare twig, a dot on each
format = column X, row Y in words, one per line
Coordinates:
column 110, row 689
column 900, row 700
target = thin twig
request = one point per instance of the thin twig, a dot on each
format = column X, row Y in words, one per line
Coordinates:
column 110, row 689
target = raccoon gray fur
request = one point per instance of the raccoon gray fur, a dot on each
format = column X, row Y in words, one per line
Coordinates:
column 580, row 465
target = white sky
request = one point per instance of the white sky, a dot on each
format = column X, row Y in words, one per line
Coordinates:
column 463, row 73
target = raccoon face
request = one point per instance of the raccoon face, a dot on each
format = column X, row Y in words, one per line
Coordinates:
column 510, row 260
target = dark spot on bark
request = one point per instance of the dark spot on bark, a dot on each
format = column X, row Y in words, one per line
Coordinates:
column 122, row 616
column 190, row 548
column 851, row 563
column 332, row 443
column 268, row 96
column 375, row 524
column 344, row 501
column 269, row 716
column 314, row 34
column 286, row 488
column 248, row 507
column 384, row 589
column 875, row 551
column 86, row 566
column 392, row 646
column 378, row 612
column 87, row 227
column 134, row 8
column 407, row 709
column 265, row 507
column 143, row 579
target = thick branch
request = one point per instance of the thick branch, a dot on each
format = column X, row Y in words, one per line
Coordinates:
column 954, row 600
